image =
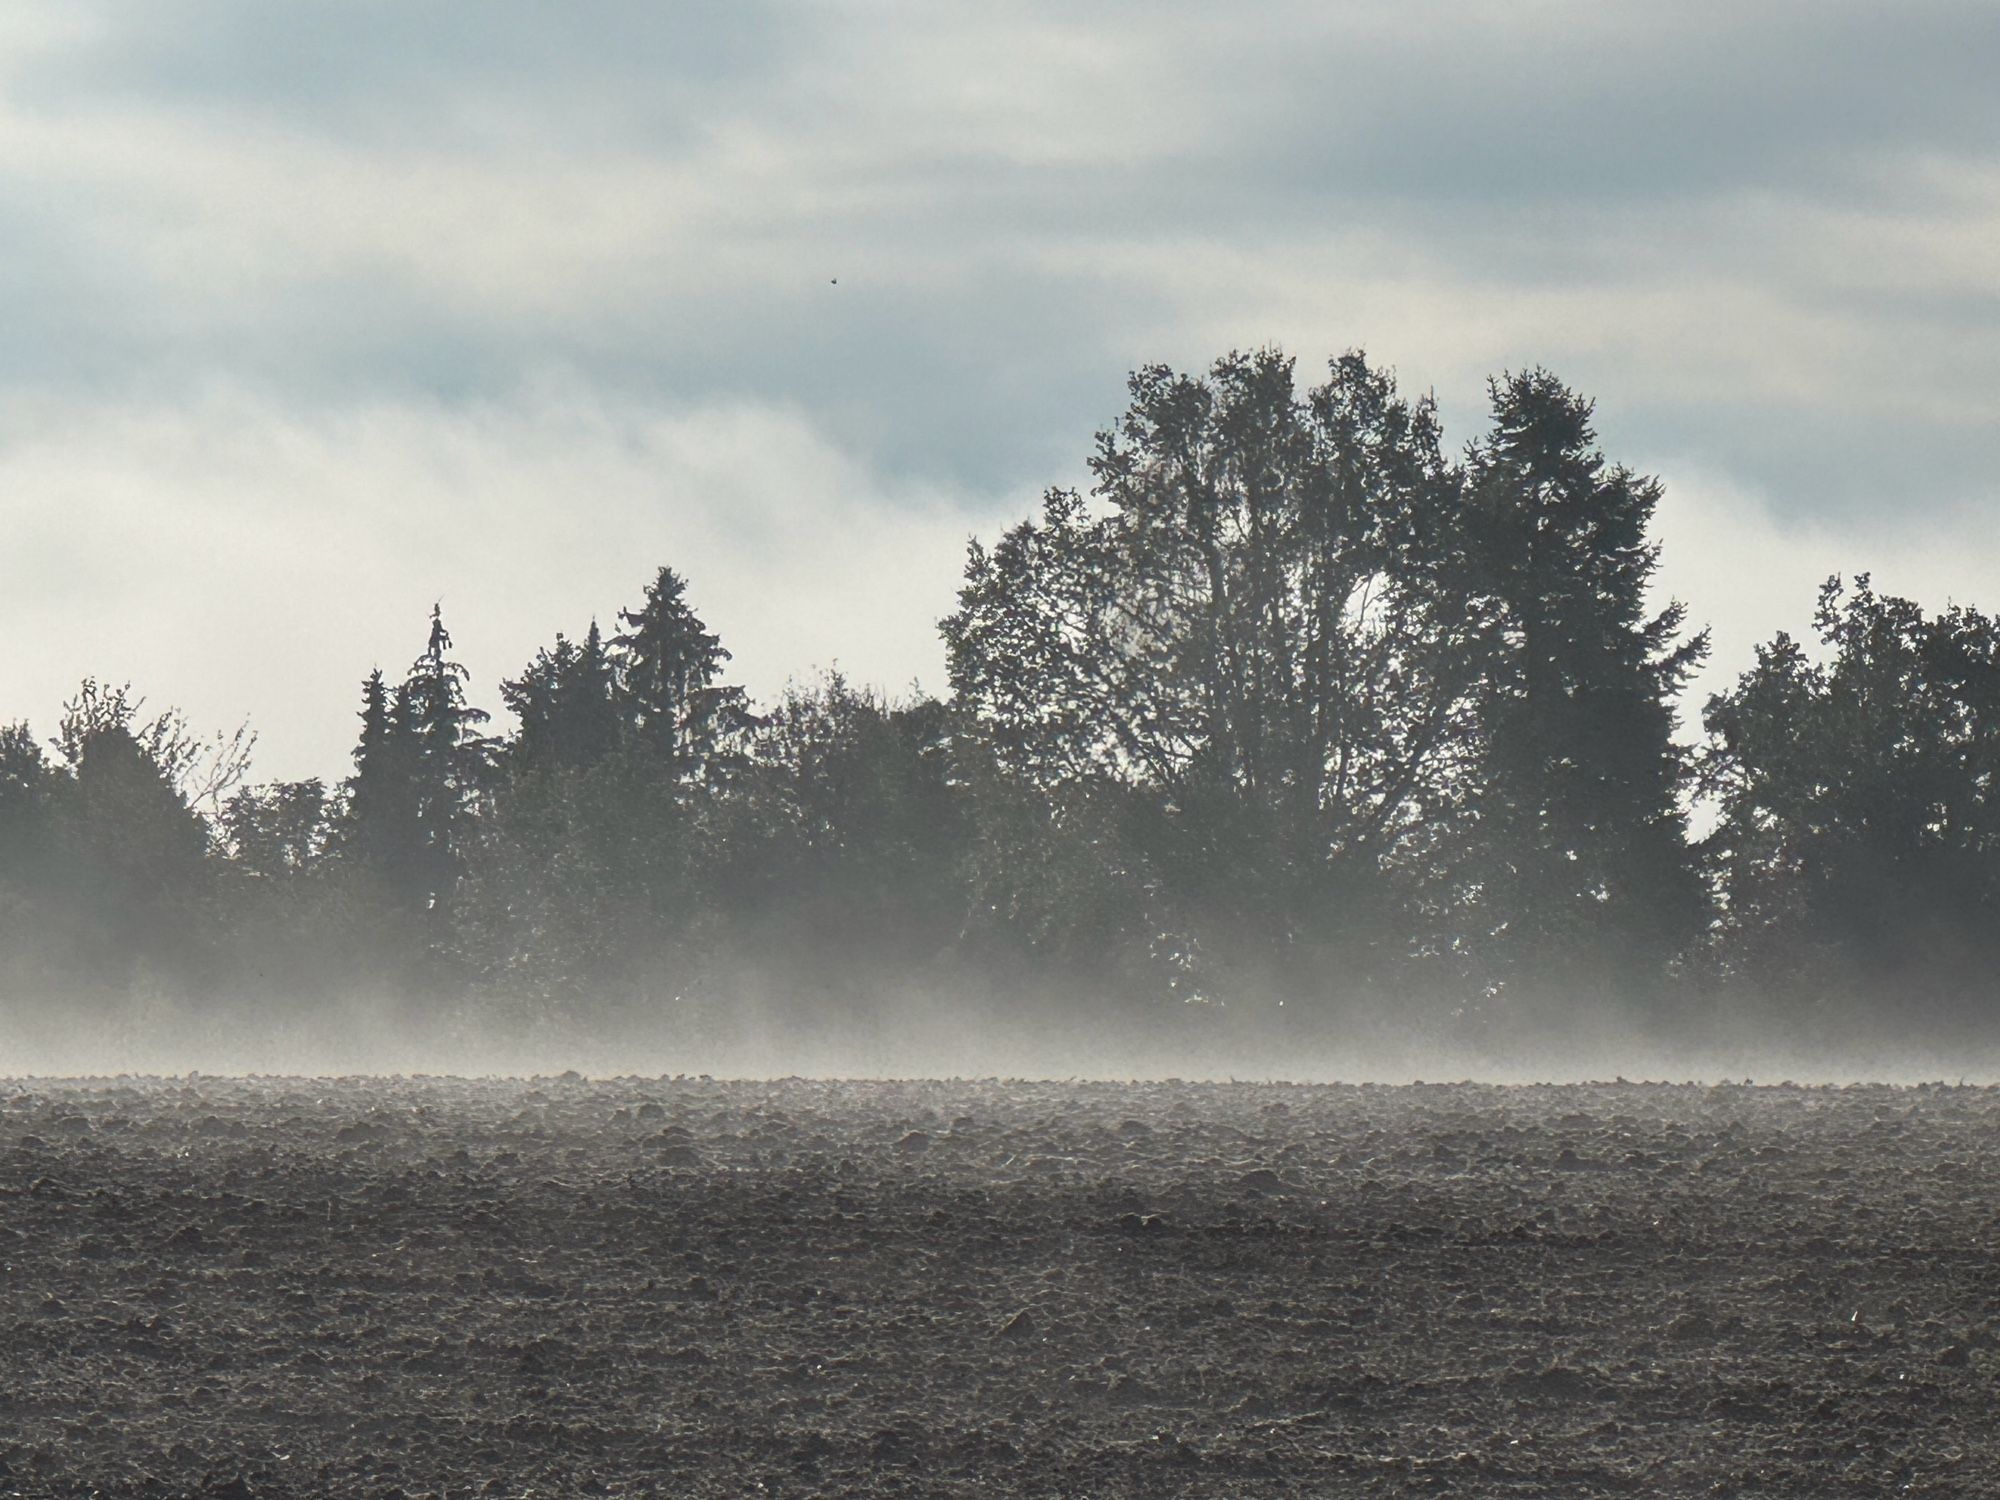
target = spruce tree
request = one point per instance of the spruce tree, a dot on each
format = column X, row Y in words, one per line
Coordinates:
column 533, row 698
column 1582, row 875
column 381, row 837
column 587, row 700
column 565, row 702
column 667, row 660
column 449, row 758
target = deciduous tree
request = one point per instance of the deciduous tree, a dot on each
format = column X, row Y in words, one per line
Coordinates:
column 1244, row 662
column 1857, row 849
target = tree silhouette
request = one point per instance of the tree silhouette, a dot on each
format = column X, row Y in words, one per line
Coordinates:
column 279, row 830
column 199, row 770
column 842, row 847
column 1288, row 705
column 1581, row 871
column 566, row 703
column 1245, row 663
column 29, row 874
column 380, row 835
column 449, row 760
column 27, row 782
column 1858, row 845
column 132, row 853
column 586, row 883
column 668, row 663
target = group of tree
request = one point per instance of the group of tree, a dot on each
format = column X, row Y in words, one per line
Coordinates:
column 1291, row 705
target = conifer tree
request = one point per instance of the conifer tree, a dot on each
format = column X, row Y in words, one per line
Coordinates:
column 564, row 701
column 1582, row 874
column 449, row 758
column 533, row 698
column 667, row 661
column 381, row 835
column 587, row 699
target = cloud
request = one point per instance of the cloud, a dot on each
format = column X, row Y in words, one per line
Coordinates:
column 1747, row 571
column 1742, row 228
column 236, row 557
column 260, row 264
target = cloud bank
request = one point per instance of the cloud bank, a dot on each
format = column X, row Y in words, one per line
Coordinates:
column 292, row 553
column 319, row 311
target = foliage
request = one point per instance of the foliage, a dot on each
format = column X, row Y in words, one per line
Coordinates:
column 565, row 703
column 1578, row 872
column 1857, row 847
column 587, row 875
column 106, row 868
column 378, row 835
column 199, row 770
column 668, row 663
column 1287, row 707
column 1244, row 673
column 279, row 830
column 842, row 843
column 581, row 889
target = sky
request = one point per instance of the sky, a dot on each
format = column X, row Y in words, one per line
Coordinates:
column 317, row 313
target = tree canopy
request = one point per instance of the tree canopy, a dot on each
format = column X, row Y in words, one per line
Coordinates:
column 1291, row 708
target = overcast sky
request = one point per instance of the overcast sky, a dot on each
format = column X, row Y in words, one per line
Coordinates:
column 316, row 312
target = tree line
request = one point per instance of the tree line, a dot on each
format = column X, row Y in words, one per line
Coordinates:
column 1294, row 707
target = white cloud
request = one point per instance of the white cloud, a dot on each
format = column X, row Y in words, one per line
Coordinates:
column 1748, row 573
column 240, row 237
column 233, row 556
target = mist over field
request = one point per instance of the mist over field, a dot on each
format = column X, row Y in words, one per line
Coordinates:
column 931, row 1036
column 1298, row 746
column 1570, row 656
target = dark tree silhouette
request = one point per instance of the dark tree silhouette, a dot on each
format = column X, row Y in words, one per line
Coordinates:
column 1580, row 870
column 380, row 836
column 1241, row 675
column 133, row 854
column 279, row 830
column 29, row 787
column 587, row 885
column 1858, row 845
column 450, row 758
column 200, row 771
column 566, row 703
column 840, row 852
column 27, row 783
column 1288, row 706
column 668, row 663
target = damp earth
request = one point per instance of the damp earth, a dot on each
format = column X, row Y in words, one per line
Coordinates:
column 370, row 1287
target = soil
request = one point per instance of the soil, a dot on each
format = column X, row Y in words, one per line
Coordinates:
column 247, row 1288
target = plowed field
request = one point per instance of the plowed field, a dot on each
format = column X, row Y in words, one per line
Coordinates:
column 684, row 1287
